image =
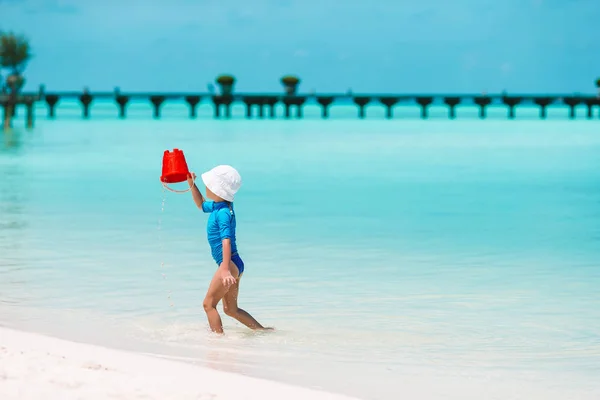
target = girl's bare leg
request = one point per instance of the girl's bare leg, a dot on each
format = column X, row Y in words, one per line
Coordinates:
column 230, row 307
column 215, row 293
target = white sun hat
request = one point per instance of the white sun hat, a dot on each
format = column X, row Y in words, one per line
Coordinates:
column 223, row 180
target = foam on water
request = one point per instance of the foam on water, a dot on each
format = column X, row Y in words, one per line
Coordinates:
column 403, row 252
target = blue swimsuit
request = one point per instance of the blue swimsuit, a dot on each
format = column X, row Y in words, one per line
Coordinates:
column 221, row 225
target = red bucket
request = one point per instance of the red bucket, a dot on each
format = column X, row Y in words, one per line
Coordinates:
column 174, row 167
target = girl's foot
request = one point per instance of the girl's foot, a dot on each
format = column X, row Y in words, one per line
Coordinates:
column 266, row 328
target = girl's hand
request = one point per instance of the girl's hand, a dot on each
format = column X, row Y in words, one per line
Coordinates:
column 227, row 278
column 191, row 178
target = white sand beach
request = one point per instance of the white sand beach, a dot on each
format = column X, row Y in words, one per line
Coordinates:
column 36, row 367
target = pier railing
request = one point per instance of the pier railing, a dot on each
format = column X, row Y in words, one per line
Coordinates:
column 293, row 105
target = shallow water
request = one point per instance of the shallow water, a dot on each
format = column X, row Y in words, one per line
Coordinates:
column 401, row 251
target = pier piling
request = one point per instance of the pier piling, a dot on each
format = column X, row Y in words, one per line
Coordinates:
column 122, row 103
column 29, row 104
column 482, row 102
column 193, row 102
column 543, row 102
column 52, row 100
column 389, row 103
column 590, row 102
column 224, row 100
column 511, row 103
column 86, row 100
column 157, row 102
column 452, row 102
column 424, row 102
column 361, row 102
column 325, row 102
column 572, row 102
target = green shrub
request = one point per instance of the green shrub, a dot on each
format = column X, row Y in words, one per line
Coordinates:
column 290, row 80
column 225, row 80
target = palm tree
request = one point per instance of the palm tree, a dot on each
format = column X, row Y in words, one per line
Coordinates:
column 14, row 55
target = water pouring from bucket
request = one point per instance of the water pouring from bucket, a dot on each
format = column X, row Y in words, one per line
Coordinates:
column 174, row 170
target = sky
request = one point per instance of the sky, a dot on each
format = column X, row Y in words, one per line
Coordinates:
column 377, row 46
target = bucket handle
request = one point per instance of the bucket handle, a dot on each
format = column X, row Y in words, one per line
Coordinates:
column 178, row 191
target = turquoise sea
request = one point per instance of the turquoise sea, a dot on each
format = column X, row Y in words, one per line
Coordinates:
column 454, row 259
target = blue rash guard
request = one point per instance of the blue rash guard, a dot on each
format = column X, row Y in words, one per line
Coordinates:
column 220, row 226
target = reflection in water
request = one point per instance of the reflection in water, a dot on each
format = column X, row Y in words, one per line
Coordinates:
column 13, row 140
column 13, row 197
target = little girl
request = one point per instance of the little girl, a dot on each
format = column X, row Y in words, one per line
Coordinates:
column 222, row 182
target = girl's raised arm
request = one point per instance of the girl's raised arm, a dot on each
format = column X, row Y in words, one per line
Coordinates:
column 196, row 195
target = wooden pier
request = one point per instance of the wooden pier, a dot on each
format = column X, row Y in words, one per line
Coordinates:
column 9, row 104
column 293, row 104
